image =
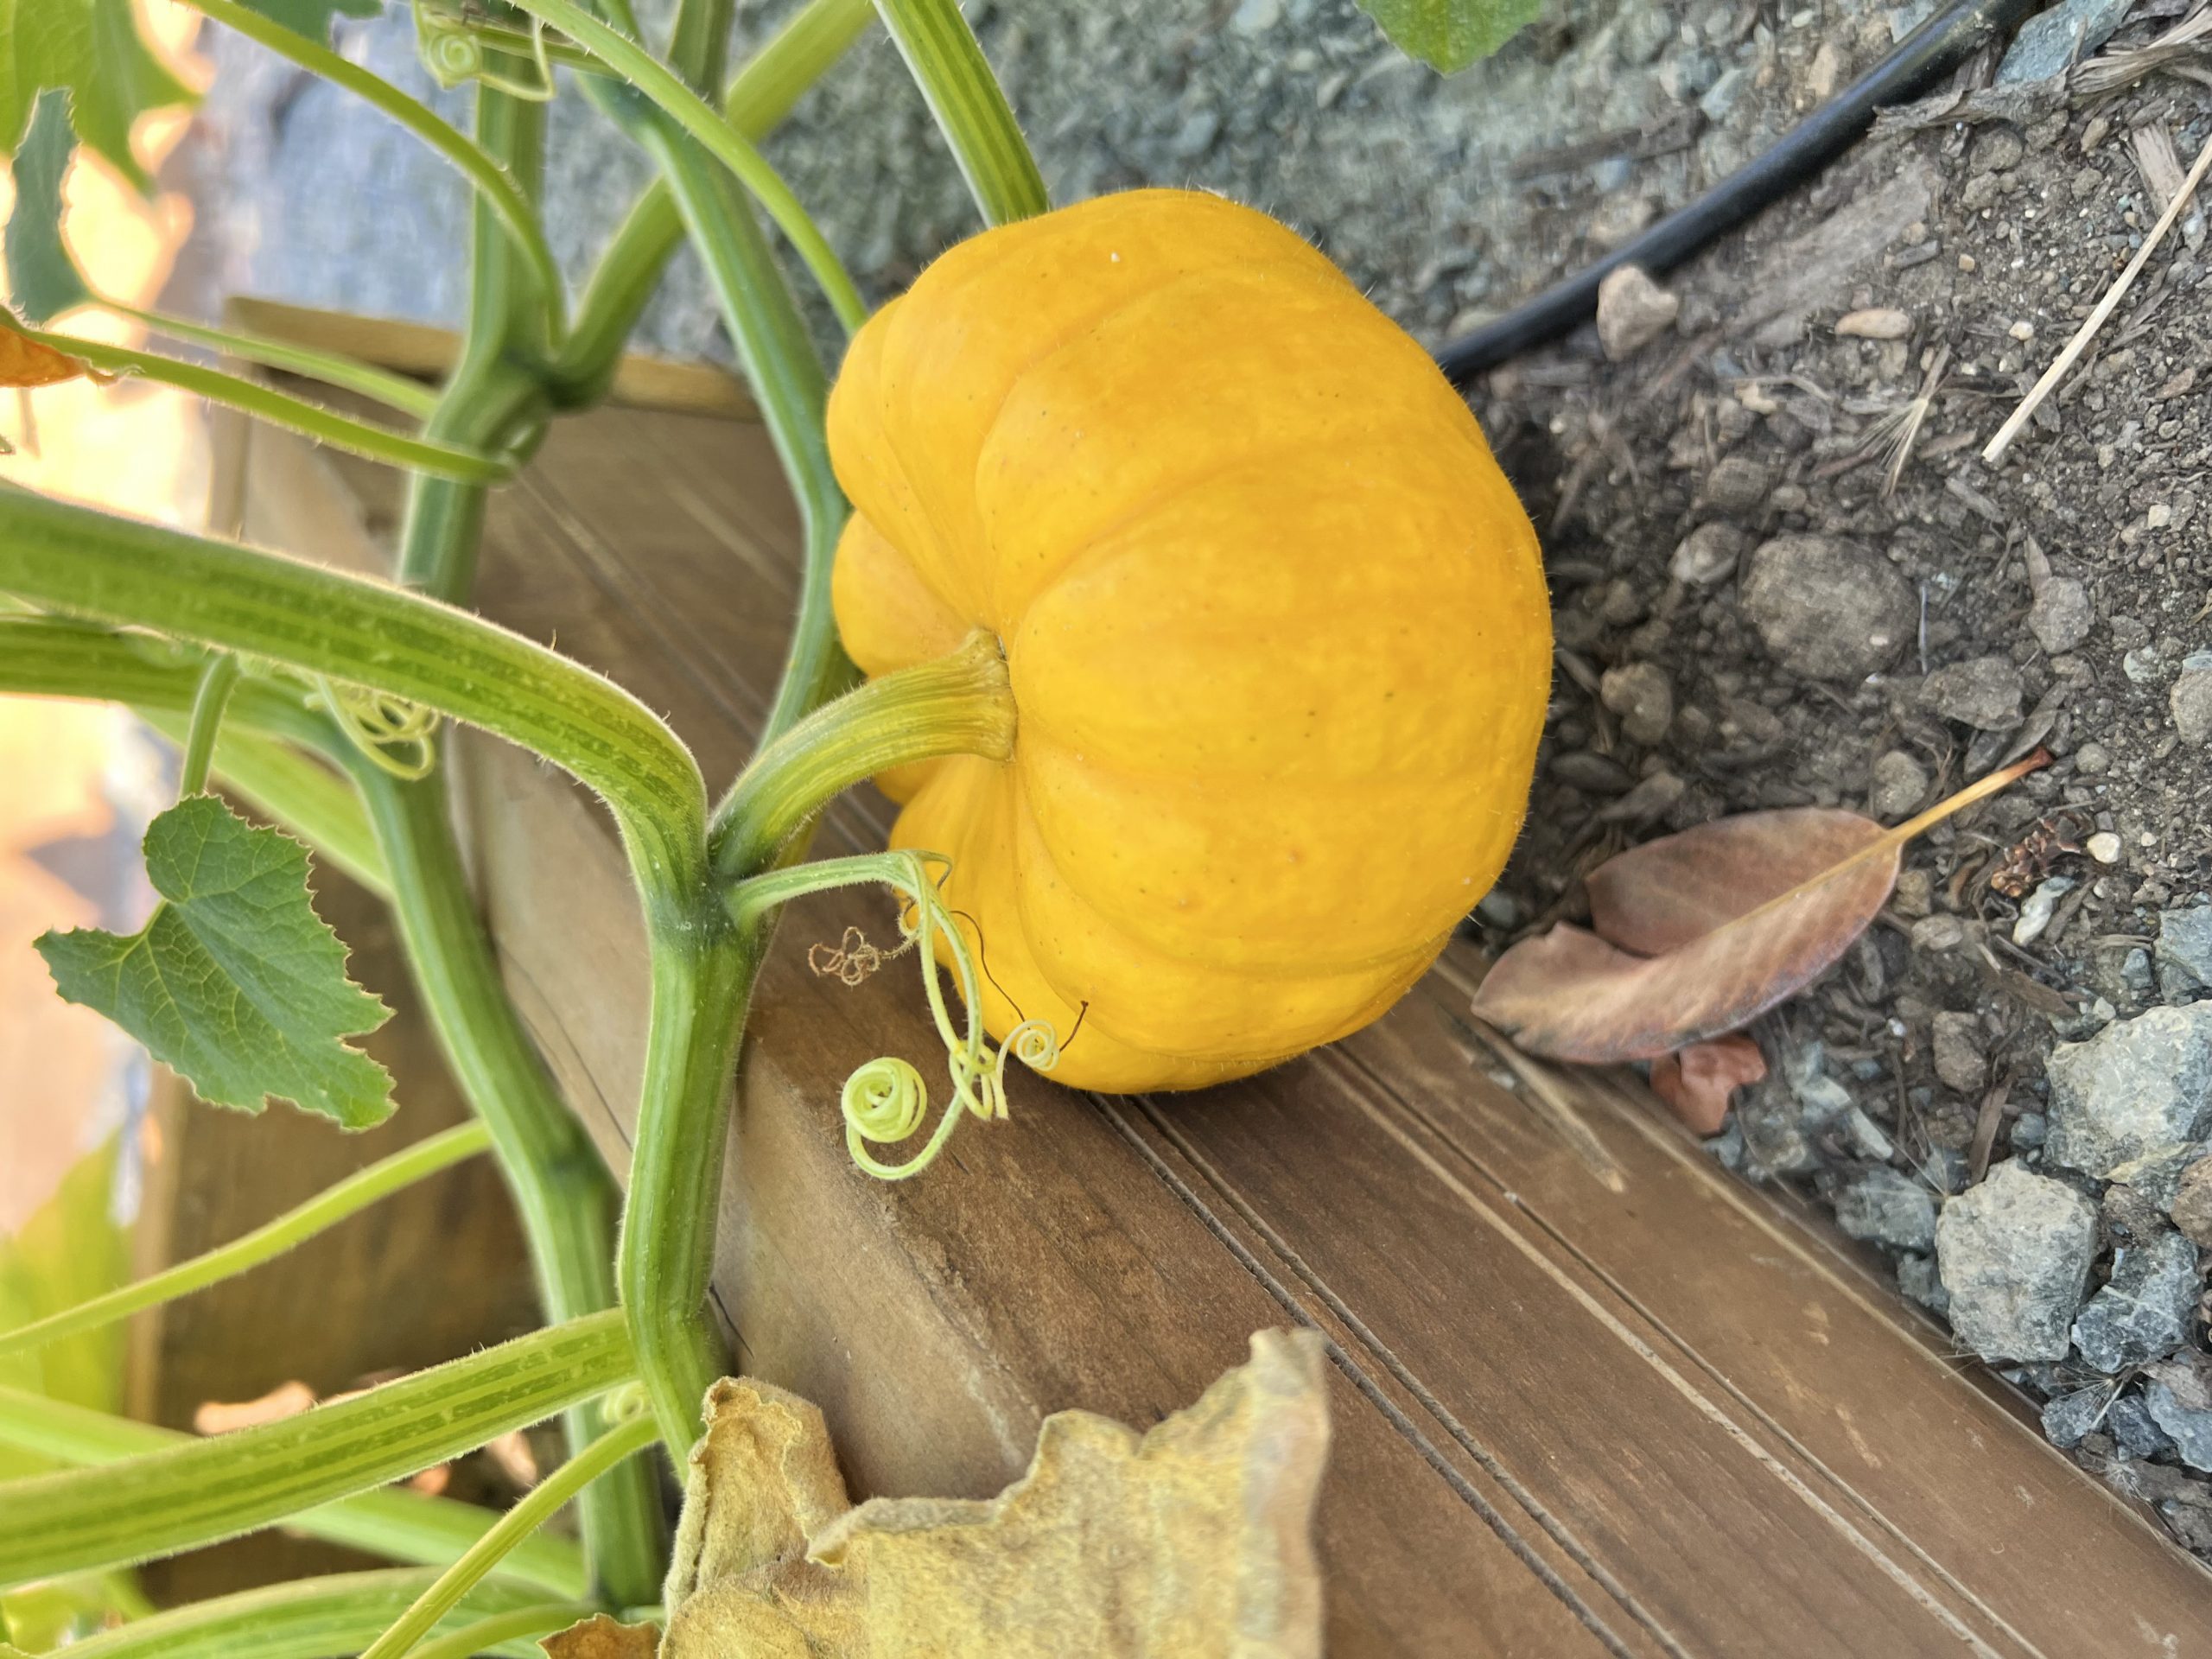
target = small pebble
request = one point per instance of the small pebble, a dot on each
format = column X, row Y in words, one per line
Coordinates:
column 2023, row 331
column 1707, row 556
column 2191, row 701
column 2068, row 1417
column 1938, row 933
column 1879, row 322
column 1639, row 694
column 2104, row 846
column 2035, row 912
column 2060, row 615
column 1983, row 692
column 1900, row 785
column 1959, row 1062
column 1632, row 310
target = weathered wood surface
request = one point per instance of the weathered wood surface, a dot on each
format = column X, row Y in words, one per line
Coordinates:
column 1680, row 1420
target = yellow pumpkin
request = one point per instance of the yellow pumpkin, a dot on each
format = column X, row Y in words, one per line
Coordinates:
column 1274, row 622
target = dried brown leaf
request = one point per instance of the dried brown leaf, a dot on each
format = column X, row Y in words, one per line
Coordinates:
column 26, row 362
column 1705, row 930
column 1192, row 1540
column 601, row 1638
column 1697, row 1082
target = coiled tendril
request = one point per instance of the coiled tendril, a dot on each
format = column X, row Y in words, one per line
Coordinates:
column 887, row 1100
column 452, row 47
column 377, row 723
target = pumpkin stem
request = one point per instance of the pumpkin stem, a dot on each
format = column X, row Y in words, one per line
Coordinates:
column 886, row 1101
column 960, row 703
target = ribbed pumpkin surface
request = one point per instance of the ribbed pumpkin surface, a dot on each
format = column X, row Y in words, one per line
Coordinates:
column 1275, row 624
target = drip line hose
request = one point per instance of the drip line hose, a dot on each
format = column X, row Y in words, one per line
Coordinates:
column 1931, row 51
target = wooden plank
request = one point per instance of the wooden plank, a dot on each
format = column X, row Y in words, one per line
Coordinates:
column 1669, row 1421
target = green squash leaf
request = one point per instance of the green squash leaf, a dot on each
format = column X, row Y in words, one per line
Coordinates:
column 1449, row 34
column 92, row 50
column 311, row 17
column 235, row 983
column 43, row 281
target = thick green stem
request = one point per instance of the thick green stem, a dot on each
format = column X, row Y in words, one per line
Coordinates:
column 701, row 979
column 536, row 1508
column 757, row 100
column 358, row 632
column 217, row 681
column 304, row 1619
column 969, row 106
column 561, row 1188
column 208, row 1490
column 655, row 83
column 959, row 704
column 785, row 374
column 392, row 1521
column 566, row 1200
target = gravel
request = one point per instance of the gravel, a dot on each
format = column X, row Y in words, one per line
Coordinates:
column 1826, row 607
column 2146, row 1309
column 1900, row 785
column 2184, row 950
column 1885, row 1207
column 2179, row 1399
column 2138, row 1086
column 2014, row 1252
column 1984, row 692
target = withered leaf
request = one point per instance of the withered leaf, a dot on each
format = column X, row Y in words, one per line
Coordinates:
column 601, row 1638
column 1697, row 1081
column 1192, row 1540
column 26, row 363
column 1705, row 930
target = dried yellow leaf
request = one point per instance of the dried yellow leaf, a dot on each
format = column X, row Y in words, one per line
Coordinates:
column 26, row 362
column 1192, row 1542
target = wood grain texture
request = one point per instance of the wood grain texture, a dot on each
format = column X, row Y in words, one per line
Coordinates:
column 1678, row 1420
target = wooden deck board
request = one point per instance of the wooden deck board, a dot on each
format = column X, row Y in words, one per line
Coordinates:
column 1667, row 1421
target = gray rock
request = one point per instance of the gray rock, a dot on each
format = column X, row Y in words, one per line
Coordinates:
column 1866, row 1137
column 2068, row 1417
column 1707, row 556
column 2135, row 972
column 2052, row 43
column 1633, row 311
column 2190, row 700
column 2147, row 1309
column 1918, row 1279
column 2156, row 1176
column 2038, row 907
column 2138, row 1086
column 2137, row 1431
column 1885, row 1207
column 2180, row 1403
column 1828, row 608
column 1900, row 785
column 2185, row 948
column 1959, row 1062
column 2191, row 1208
column 1774, row 1141
column 1736, row 484
column 2060, row 615
column 1983, row 692
column 2014, row 1252
column 2030, row 1128
column 1639, row 694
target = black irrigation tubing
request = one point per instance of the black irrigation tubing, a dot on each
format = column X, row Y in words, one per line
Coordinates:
column 1933, row 50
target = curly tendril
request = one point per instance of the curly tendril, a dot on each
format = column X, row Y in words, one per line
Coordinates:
column 378, row 725
column 886, row 1101
column 452, row 49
